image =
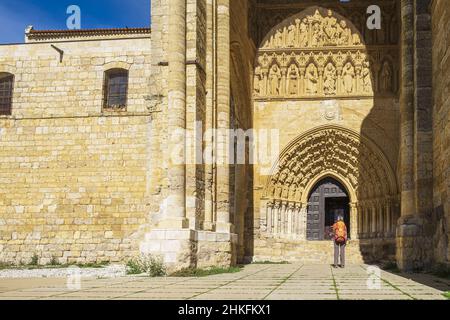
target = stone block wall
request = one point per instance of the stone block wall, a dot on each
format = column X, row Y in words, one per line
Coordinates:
column 74, row 178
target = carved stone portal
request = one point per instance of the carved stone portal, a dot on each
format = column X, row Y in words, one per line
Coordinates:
column 327, row 151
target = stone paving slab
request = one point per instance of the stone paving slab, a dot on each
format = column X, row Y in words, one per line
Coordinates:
column 255, row 282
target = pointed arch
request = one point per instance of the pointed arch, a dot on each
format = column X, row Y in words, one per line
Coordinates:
column 337, row 151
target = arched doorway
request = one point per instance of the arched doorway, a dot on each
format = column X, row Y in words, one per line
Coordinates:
column 327, row 200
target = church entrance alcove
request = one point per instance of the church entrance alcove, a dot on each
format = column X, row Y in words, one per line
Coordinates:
column 328, row 199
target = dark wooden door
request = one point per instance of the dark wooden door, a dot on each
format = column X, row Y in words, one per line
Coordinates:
column 327, row 199
column 314, row 231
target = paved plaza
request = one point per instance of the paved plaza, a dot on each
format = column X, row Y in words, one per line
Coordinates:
column 254, row 282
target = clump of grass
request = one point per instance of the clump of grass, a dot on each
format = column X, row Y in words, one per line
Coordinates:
column 54, row 262
column 134, row 266
column 34, row 260
column 95, row 265
column 271, row 262
column 447, row 294
column 194, row 272
column 149, row 264
column 5, row 265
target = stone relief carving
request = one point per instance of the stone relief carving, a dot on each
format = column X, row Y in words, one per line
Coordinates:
column 348, row 77
column 320, row 55
column 274, row 81
column 386, row 77
column 311, row 79
column 330, row 78
column 314, row 31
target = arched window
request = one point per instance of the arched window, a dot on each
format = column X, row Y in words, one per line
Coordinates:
column 115, row 89
column 6, row 93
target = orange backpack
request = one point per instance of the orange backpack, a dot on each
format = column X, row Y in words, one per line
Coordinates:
column 340, row 232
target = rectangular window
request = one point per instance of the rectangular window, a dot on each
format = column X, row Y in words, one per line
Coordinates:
column 116, row 89
column 6, row 92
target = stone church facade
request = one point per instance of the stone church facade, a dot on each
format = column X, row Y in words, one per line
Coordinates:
column 361, row 120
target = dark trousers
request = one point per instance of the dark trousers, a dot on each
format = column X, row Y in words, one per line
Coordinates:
column 339, row 251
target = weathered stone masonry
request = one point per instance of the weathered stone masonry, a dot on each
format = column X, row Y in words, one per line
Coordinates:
column 74, row 178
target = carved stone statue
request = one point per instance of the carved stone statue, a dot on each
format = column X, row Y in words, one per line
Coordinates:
column 256, row 82
column 316, row 40
column 356, row 39
column 329, row 84
column 342, row 34
column 386, row 77
column 274, row 78
column 304, row 33
column 348, row 74
column 312, row 79
column 330, row 28
column 278, row 39
column 291, row 34
column 366, row 78
column 293, row 80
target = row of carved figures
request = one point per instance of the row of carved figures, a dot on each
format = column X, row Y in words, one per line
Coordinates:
column 329, row 81
column 323, row 30
column 313, row 31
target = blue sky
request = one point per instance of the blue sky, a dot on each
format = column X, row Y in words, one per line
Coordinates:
column 16, row 15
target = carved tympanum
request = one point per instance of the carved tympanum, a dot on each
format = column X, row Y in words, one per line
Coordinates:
column 320, row 55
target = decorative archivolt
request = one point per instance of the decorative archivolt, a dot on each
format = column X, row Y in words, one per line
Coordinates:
column 338, row 151
column 320, row 55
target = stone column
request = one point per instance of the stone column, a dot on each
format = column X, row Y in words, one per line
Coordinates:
column 411, row 244
column 354, row 219
column 223, row 223
column 366, row 222
column 360, row 222
column 269, row 211
column 303, row 220
column 407, row 110
column 172, row 239
column 373, row 229
column 363, row 222
column 211, row 65
column 175, row 213
column 276, row 212
column 380, row 220
column 388, row 230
